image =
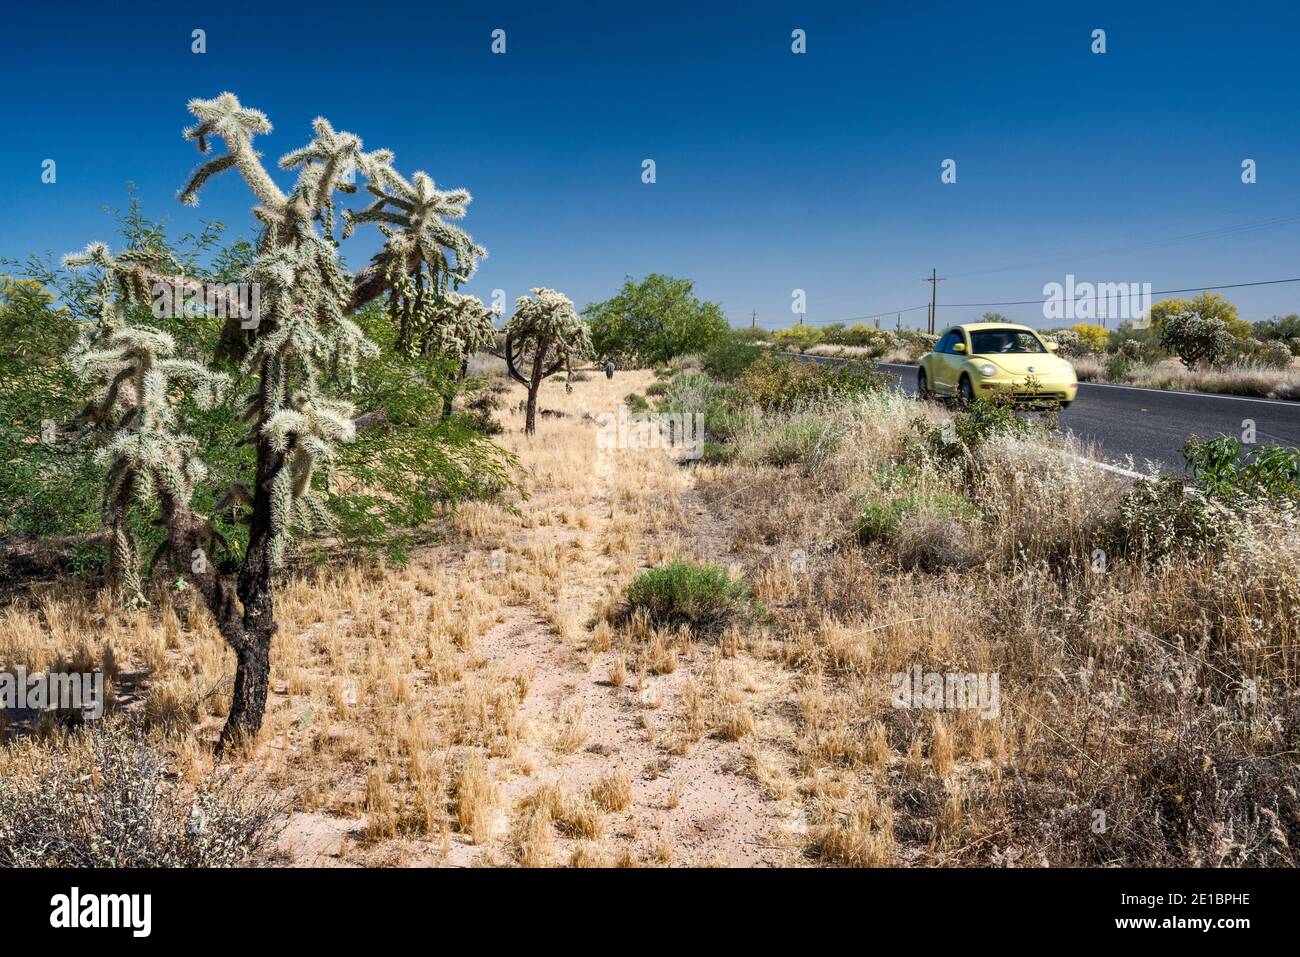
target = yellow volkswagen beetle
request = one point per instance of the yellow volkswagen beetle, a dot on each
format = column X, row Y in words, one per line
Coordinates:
column 977, row 359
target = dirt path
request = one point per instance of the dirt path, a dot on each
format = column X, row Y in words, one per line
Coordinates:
column 694, row 809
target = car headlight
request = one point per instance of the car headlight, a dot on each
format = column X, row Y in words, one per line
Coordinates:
column 987, row 369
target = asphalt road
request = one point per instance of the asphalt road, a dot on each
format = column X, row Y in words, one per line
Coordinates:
column 1131, row 427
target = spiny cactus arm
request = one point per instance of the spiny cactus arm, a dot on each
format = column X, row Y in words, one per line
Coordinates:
column 327, row 165
column 236, row 125
column 374, row 213
column 377, row 166
column 125, row 275
column 454, row 202
column 189, row 194
column 99, row 412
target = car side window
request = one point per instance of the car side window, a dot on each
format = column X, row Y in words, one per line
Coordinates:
column 950, row 340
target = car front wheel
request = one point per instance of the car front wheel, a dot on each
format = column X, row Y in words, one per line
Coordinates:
column 922, row 384
column 965, row 391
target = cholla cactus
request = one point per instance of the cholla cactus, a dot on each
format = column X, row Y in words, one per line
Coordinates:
column 414, row 264
column 136, row 386
column 1196, row 337
column 302, row 346
column 544, row 336
column 453, row 325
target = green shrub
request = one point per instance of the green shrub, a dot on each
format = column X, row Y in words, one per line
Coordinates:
column 971, row 427
column 725, row 408
column 778, row 383
column 716, row 453
column 730, row 356
column 917, row 343
column 1119, row 365
column 798, row 337
column 1272, row 355
column 685, row 593
column 636, row 402
column 653, row 321
column 726, row 422
column 656, row 388
column 880, row 521
column 878, row 341
column 805, row 440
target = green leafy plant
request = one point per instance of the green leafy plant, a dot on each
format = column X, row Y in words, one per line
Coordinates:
column 1222, row 468
column 806, row 440
column 1159, row 519
column 730, row 356
column 880, row 520
column 918, row 343
column 798, row 337
column 779, row 383
column 654, row 321
column 702, row 596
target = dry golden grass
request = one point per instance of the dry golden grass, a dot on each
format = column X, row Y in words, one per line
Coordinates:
column 613, row 792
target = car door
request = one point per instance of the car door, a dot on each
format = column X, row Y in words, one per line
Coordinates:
column 945, row 365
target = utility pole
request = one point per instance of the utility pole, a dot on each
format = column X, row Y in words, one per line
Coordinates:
column 934, row 280
column 753, row 320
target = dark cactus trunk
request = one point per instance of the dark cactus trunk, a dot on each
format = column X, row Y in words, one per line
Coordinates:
column 534, row 384
column 252, row 681
column 514, row 352
column 251, row 641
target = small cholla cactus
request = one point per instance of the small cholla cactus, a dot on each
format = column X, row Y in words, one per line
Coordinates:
column 1196, row 337
column 450, row 324
column 414, row 263
column 544, row 336
column 302, row 352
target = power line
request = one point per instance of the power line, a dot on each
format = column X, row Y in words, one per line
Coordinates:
column 1156, row 292
column 1039, row 300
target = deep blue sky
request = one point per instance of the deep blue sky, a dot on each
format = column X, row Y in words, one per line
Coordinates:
column 775, row 171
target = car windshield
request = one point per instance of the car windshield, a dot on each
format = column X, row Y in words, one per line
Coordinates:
column 990, row 342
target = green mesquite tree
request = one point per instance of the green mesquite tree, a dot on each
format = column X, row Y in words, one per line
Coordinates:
column 543, row 336
column 301, row 352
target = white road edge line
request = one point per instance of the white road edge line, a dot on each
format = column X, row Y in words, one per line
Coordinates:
column 1110, row 468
